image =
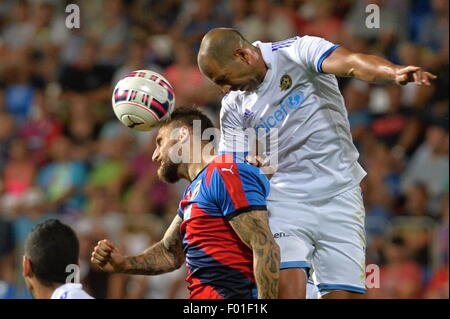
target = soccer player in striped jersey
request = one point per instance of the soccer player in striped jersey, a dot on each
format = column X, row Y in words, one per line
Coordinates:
column 221, row 230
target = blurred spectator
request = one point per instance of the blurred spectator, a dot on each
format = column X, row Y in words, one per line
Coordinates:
column 382, row 39
column 398, row 126
column 400, row 278
column 7, row 246
column 110, row 171
column 322, row 22
column 22, row 90
column 267, row 23
column 63, row 178
column 19, row 32
column 433, row 35
column 429, row 165
column 33, row 211
column 110, row 31
column 136, row 60
column 417, row 200
column 82, row 133
column 438, row 286
column 87, row 76
column 39, row 132
column 18, row 175
column 189, row 84
column 7, row 131
column 239, row 10
column 197, row 22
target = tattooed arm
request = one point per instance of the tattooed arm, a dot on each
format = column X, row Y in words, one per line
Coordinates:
column 165, row 256
column 253, row 229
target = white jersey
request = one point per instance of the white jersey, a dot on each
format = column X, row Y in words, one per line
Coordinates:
column 316, row 155
column 70, row 291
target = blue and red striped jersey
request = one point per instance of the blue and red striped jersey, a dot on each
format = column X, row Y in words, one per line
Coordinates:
column 219, row 264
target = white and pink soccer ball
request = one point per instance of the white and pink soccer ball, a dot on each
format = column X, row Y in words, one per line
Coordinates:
column 143, row 98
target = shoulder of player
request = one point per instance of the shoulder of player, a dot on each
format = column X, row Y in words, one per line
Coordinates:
column 232, row 99
column 227, row 163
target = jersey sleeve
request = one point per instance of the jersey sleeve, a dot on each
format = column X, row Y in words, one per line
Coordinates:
column 238, row 188
column 233, row 138
column 179, row 209
column 311, row 51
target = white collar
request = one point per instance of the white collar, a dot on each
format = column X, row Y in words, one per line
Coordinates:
column 64, row 289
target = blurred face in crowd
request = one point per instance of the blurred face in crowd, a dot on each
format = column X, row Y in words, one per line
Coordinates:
column 43, row 15
column 20, row 11
column 437, row 138
column 7, row 126
column 395, row 252
column 18, row 150
column 60, row 149
column 417, row 199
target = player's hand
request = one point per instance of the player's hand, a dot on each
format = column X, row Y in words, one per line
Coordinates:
column 107, row 257
column 414, row 74
column 257, row 161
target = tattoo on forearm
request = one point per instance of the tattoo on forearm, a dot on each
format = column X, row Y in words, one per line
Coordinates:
column 165, row 256
column 253, row 229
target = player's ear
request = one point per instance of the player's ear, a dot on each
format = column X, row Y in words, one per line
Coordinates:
column 26, row 266
column 183, row 136
column 243, row 54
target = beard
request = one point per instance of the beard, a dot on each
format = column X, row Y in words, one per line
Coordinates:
column 168, row 172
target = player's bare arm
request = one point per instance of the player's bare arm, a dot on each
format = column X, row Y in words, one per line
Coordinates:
column 165, row 256
column 253, row 229
column 371, row 68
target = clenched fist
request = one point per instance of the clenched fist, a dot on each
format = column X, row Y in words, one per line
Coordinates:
column 107, row 257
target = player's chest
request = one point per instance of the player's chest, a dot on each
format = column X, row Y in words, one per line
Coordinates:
column 273, row 109
column 285, row 93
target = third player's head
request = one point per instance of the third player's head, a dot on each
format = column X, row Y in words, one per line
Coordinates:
column 230, row 61
column 175, row 149
column 50, row 248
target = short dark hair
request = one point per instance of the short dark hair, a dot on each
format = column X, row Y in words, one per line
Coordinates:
column 186, row 115
column 51, row 247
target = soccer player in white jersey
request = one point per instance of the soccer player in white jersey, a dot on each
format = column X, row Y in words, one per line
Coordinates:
column 50, row 248
column 315, row 202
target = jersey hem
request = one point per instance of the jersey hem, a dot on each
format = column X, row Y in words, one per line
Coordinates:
column 245, row 210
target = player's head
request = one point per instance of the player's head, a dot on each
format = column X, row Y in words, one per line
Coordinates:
column 230, row 61
column 175, row 140
column 49, row 249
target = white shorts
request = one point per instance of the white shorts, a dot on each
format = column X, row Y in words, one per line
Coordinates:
column 327, row 235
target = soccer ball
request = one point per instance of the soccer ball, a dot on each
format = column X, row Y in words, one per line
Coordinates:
column 143, row 98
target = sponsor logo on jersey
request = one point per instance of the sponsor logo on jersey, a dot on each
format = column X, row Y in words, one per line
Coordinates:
column 290, row 103
column 280, row 235
column 229, row 170
column 285, row 82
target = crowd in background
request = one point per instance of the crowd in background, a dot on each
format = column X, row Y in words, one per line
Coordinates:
column 64, row 154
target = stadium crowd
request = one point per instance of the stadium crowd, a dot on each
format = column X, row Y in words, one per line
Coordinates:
column 64, row 154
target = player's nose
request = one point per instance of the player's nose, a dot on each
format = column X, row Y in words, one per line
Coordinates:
column 155, row 155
